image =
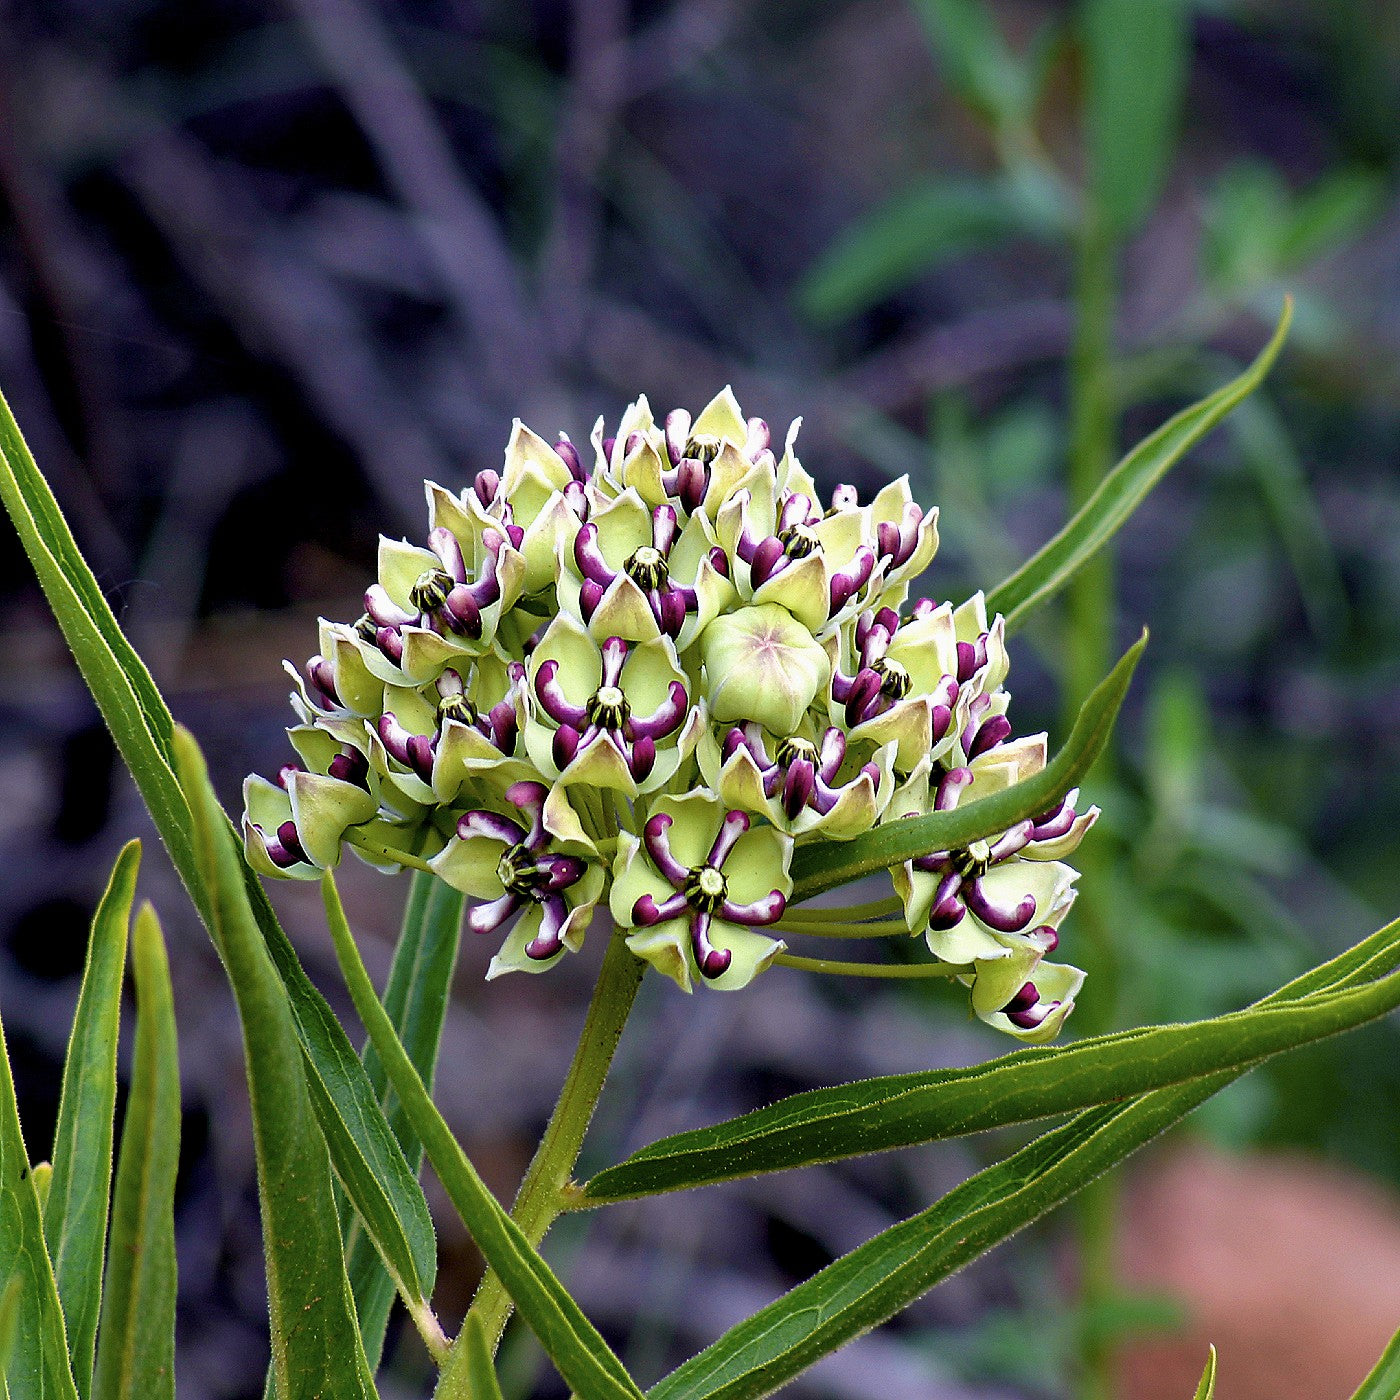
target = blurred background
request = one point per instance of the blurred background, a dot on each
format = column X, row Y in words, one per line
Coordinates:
column 267, row 264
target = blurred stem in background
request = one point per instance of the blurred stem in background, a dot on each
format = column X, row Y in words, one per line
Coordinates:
column 1092, row 611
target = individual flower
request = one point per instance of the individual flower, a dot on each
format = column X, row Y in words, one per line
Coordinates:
column 695, row 888
column 430, row 608
column 813, row 782
column 617, row 716
column 763, row 666
column 527, row 874
column 636, row 573
column 787, row 550
column 432, row 740
column 294, row 828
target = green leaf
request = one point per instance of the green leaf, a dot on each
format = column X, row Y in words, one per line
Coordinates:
column 1383, row 1383
column 909, row 234
column 1136, row 56
column 1206, row 1389
column 315, row 1340
column 1122, row 491
column 874, row 1115
column 75, row 1214
column 872, row 1283
column 583, row 1358
column 38, row 1364
column 977, row 60
column 415, row 999
column 9, row 1324
column 824, row 865
column 136, row 1346
column 366, row 1156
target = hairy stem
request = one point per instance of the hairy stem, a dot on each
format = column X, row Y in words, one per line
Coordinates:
column 846, row 928
column 858, row 969
column 544, row 1193
column 825, row 913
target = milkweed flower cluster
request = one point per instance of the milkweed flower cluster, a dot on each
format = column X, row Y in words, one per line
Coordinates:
column 643, row 682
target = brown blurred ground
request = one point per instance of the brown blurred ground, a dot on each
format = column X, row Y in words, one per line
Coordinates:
column 1289, row 1265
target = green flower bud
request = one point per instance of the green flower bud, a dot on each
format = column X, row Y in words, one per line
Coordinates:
column 762, row 664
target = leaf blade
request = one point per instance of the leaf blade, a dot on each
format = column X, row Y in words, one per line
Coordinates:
column 825, row 1125
column 1123, row 489
column 1205, row 1390
column 136, row 1344
column 38, row 1363
column 315, row 1339
column 367, row 1158
column 1137, row 60
column 1383, row 1381
column 824, row 865
column 75, row 1213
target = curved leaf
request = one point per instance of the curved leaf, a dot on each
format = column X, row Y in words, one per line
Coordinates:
column 136, row 1346
column 824, row 865
column 583, row 1358
column 366, row 1156
column 315, row 1340
column 872, row 1283
column 1383, row 1383
column 37, row 1368
column 915, row 230
column 1206, row 1389
column 904, row 1110
column 1123, row 489
column 75, row 1213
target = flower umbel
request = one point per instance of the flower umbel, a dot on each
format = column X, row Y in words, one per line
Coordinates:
column 645, row 682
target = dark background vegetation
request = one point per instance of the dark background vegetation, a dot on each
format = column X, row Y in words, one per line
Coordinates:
column 265, row 266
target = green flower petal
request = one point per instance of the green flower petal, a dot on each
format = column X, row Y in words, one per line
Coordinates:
column 470, row 866
column 322, row 809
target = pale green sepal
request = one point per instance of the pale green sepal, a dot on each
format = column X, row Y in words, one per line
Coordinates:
column 322, row 808
column 721, row 420
column 136, row 1345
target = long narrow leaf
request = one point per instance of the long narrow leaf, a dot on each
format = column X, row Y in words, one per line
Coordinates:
column 872, row 1283
column 315, row 1340
column 415, row 999
column 1383, row 1383
column 583, row 1358
column 1123, row 490
column 38, row 1363
column 826, row 864
column 875, row 1115
column 75, row 1213
column 136, row 1346
column 1205, row 1390
column 366, row 1156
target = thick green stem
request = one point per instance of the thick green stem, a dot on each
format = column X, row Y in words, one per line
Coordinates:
column 544, row 1193
column 1092, row 414
column 1091, row 608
